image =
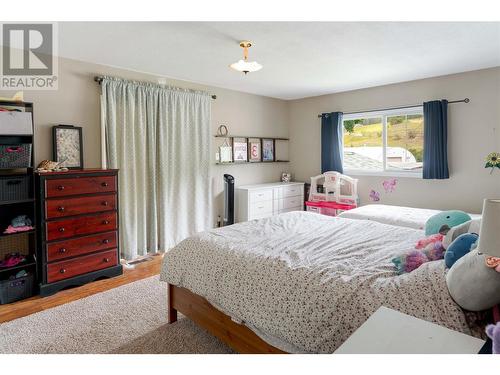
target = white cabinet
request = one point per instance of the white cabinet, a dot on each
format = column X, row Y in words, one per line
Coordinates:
column 264, row 200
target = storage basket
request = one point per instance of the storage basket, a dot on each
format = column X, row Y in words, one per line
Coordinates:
column 14, row 188
column 16, row 289
column 15, row 156
column 16, row 123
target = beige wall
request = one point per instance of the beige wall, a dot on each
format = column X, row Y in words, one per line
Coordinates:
column 471, row 129
column 473, row 132
column 76, row 102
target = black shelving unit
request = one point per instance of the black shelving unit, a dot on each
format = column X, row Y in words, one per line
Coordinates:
column 23, row 204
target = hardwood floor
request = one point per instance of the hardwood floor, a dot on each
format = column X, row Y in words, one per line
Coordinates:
column 35, row 304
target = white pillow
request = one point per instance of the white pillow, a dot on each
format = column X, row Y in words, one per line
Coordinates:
column 471, row 226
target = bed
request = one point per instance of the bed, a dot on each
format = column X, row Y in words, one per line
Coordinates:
column 301, row 282
column 394, row 215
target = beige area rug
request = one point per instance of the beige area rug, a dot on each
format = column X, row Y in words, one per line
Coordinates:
column 128, row 319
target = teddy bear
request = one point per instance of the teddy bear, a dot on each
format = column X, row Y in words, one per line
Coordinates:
column 493, row 332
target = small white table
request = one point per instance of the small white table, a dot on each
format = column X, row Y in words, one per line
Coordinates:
column 390, row 332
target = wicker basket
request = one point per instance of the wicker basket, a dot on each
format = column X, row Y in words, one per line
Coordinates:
column 16, row 289
column 15, row 156
column 14, row 188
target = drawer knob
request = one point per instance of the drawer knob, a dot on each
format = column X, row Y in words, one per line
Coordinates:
column 61, row 229
column 105, row 222
column 104, row 184
column 105, row 203
column 105, row 241
column 106, row 260
column 60, row 187
column 62, row 270
column 62, row 250
column 60, row 209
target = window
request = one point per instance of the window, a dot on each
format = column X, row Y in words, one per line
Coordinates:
column 384, row 143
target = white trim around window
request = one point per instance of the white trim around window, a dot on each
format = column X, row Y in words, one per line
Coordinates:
column 383, row 114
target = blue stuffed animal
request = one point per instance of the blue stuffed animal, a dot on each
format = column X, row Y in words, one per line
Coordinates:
column 461, row 246
column 443, row 221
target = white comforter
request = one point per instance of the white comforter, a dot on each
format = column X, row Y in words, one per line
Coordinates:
column 394, row 215
column 305, row 282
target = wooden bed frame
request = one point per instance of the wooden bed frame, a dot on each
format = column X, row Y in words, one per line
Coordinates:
column 198, row 309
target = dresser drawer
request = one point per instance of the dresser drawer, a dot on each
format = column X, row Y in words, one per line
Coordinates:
column 260, row 195
column 78, row 266
column 259, row 208
column 55, row 208
column 81, row 225
column 81, row 246
column 292, row 191
column 83, row 185
column 291, row 202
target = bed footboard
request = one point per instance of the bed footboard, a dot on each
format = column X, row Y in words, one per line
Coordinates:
column 198, row 309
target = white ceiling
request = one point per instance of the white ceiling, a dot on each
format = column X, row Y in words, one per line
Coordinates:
column 300, row 59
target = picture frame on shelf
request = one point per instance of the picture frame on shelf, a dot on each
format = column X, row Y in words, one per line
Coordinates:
column 67, row 141
column 240, row 150
column 267, row 150
column 254, row 150
column 225, row 152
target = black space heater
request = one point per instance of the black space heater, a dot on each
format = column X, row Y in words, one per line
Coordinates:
column 228, row 200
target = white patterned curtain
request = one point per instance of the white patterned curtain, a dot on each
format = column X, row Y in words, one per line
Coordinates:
column 159, row 139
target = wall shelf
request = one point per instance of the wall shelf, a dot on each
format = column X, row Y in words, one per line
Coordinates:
column 278, row 157
column 252, row 162
column 248, row 136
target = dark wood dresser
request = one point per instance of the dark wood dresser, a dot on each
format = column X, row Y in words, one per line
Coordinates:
column 77, row 215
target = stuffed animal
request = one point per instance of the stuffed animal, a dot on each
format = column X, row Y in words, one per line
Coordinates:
column 421, row 244
column 443, row 221
column 458, row 248
column 21, row 221
column 434, row 251
column 471, row 226
column 409, row 262
column 473, row 285
column 493, row 332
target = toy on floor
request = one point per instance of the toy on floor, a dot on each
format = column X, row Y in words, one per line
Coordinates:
column 334, row 187
column 462, row 245
column 493, row 332
column 444, row 221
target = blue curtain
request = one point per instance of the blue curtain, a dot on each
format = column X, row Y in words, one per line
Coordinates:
column 331, row 142
column 436, row 140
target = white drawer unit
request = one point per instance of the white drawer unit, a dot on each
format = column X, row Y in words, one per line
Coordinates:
column 292, row 191
column 261, row 195
column 264, row 200
column 260, row 208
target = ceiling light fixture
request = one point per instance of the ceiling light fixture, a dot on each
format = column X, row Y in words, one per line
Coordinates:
column 244, row 65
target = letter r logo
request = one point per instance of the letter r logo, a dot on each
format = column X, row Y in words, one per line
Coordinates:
column 27, row 49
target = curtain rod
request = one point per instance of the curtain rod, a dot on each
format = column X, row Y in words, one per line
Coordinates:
column 466, row 100
column 99, row 79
